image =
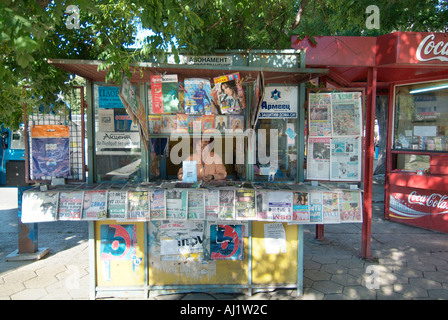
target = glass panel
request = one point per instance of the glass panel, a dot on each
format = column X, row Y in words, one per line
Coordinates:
column 285, row 147
column 117, row 140
column 421, row 117
column 412, row 162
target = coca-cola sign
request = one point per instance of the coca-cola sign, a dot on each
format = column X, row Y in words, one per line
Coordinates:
column 431, row 48
column 418, row 203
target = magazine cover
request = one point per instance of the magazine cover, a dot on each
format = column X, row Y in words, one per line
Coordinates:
column 194, row 124
column 182, row 123
column 208, row 123
column 157, row 204
column 197, row 95
column 154, row 123
column 230, row 94
column 50, row 156
column 245, row 204
column 330, row 207
column 94, row 205
column 221, row 123
column 176, row 204
column 351, row 208
column 138, row 205
column 226, row 242
column 300, row 208
column 315, row 200
column 226, row 204
column 318, row 159
column 70, row 205
column 168, row 124
column 211, row 204
column 39, row 206
column 319, row 114
column 280, row 206
column 164, row 94
column 196, row 205
column 262, row 204
column 117, row 204
column 236, row 123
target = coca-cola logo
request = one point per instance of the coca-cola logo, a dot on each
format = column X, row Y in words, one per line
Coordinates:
column 434, row 200
column 429, row 49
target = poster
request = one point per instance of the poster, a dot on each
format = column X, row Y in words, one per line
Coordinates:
column 280, row 206
column 274, row 238
column 138, row 205
column 227, row 242
column 279, row 102
column 226, row 204
column 181, row 240
column 318, row 159
column 229, row 93
column 106, row 121
column 94, row 205
column 351, row 206
column 50, row 156
column 39, row 206
column 117, row 204
column 245, row 204
column 70, row 205
column 176, row 204
column 196, row 205
column 108, row 97
column 345, row 162
column 157, row 204
column 197, row 96
column 301, row 208
column 211, row 204
column 330, row 207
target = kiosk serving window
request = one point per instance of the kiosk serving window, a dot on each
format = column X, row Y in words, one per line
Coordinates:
column 421, row 123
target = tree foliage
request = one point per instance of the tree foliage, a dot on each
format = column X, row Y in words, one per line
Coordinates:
column 33, row 31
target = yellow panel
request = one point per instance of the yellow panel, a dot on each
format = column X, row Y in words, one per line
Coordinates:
column 274, row 268
column 119, row 253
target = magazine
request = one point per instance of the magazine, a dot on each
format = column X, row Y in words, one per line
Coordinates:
column 345, row 162
column 221, row 123
column 226, row 204
column 236, row 123
column 168, row 123
column 211, row 204
column 346, row 114
column 94, row 205
column 319, row 115
column 208, row 123
column 300, row 207
column 230, row 94
column 280, row 206
column 196, row 205
column 351, row 208
column 315, row 200
column 154, row 123
column 176, row 204
column 245, row 204
column 197, row 96
column 117, row 204
column 164, row 94
column 138, row 205
column 182, row 123
column 262, row 204
column 157, row 204
column 318, row 159
column 70, row 205
column 330, row 207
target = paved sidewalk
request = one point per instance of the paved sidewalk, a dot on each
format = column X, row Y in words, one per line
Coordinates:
column 410, row 263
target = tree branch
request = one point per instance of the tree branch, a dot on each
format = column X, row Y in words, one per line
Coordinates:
column 296, row 22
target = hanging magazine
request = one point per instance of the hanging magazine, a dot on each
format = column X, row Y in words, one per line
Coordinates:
column 226, row 204
column 229, row 93
column 330, row 207
column 94, row 205
column 50, row 146
column 351, row 208
column 300, row 207
column 346, row 114
column 197, row 96
column 157, row 204
column 176, row 204
column 196, row 205
column 318, row 159
column 345, row 164
column 211, row 204
column 117, row 204
column 138, row 205
column 245, row 203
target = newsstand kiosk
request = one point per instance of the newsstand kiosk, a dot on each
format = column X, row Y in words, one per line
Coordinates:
column 153, row 232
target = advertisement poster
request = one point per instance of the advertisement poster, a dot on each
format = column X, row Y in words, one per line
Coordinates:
column 197, row 96
column 50, row 156
column 227, row 242
column 181, row 240
column 279, row 102
column 108, row 97
column 157, row 204
column 70, row 205
column 94, row 205
column 39, row 206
